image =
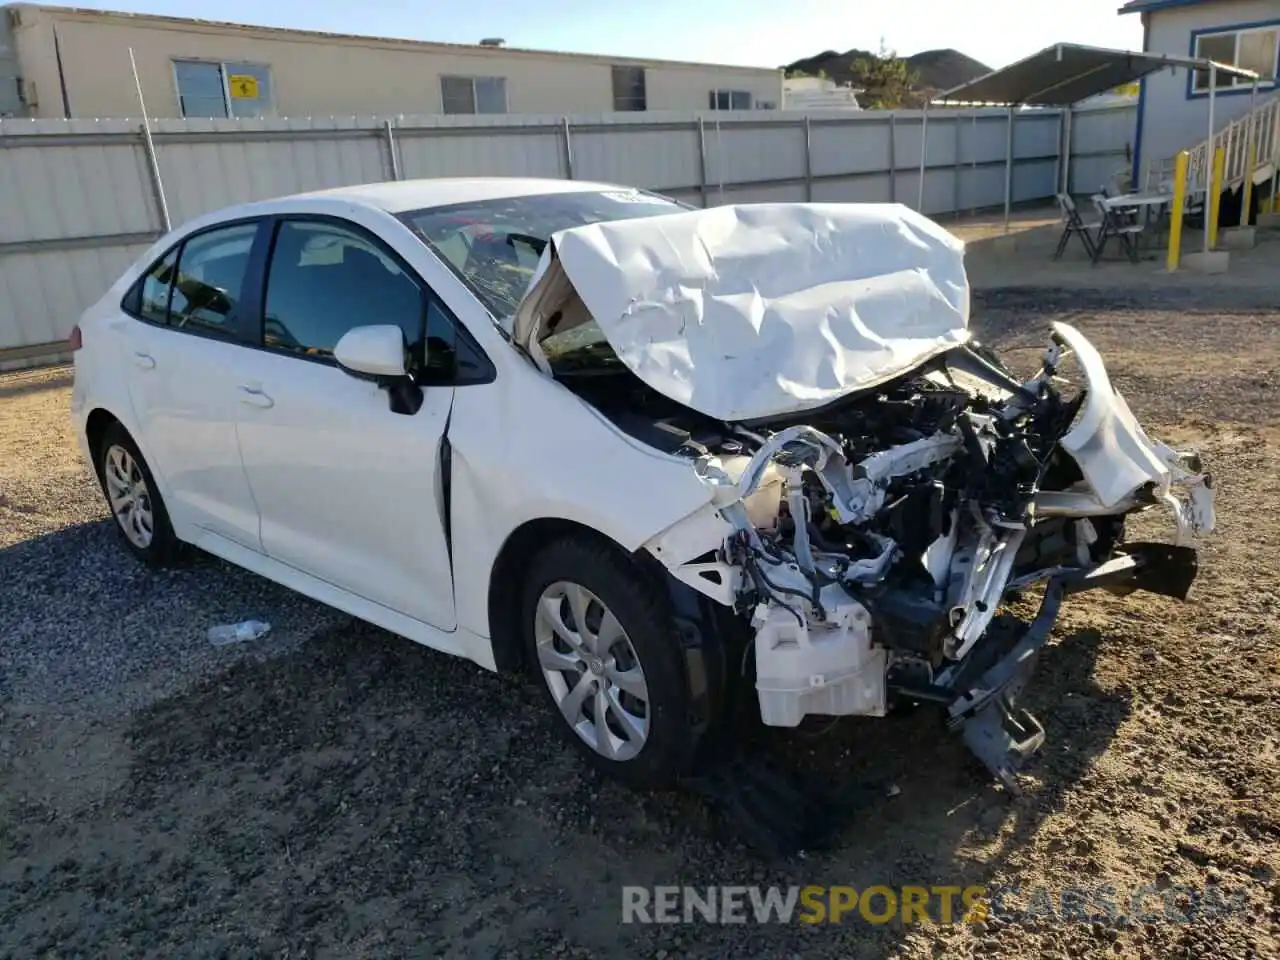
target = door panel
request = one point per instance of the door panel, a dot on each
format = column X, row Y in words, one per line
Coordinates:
column 347, row 489
column 182, row 356
column 182, row 392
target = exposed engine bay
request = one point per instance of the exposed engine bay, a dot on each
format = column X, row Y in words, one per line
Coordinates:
column 871, row 543
column 879, row 484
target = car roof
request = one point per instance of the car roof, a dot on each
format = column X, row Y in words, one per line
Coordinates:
column 397, row 196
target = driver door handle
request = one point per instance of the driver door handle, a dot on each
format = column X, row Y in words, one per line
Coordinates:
column 144, row 360
column 255, row 397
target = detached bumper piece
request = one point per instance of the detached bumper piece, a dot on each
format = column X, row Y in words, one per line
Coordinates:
column 1001, row 734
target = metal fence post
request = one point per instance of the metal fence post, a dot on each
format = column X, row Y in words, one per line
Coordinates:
column 392, row 151
column 157, row 184
column 153, row 162
column 568, row 149
column 808, row 161
column 702, row 160
column 893, row 157
column 1057, row 160
column 955, row 177
column 1008, row 171
column 924, row 153
column 1066, row 150
column 973, row 165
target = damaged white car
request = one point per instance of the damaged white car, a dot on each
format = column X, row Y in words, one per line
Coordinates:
column 656, row 456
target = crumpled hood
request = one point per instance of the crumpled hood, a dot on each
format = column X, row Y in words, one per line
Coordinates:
column 758, row 310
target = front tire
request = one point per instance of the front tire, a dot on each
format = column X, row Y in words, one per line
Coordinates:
column 134, row 499
column 601, row 643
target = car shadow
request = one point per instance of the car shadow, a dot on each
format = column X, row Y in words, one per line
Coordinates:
column 366, row 792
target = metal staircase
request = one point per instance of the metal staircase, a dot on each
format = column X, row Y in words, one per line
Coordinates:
column 1260, row 127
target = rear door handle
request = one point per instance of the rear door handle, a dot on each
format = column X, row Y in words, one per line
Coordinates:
column 144, row 360
column 255, row 397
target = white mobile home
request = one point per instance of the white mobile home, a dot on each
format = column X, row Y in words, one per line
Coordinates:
column 58, row 62
column 1173, row 105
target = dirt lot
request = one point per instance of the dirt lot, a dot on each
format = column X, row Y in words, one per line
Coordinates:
column 336, row 791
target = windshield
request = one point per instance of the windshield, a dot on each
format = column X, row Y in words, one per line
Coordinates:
column 495, row 245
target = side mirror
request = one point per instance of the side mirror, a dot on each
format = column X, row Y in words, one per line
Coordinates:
column 374, row 352
column 378, row 353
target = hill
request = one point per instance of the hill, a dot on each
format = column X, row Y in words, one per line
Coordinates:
column 936, row 69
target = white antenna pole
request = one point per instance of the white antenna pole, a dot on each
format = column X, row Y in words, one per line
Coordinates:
column 151, row 148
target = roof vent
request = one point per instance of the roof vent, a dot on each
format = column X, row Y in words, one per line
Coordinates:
column 492, row 42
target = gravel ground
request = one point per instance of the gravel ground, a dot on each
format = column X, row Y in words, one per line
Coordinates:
column 333, row 790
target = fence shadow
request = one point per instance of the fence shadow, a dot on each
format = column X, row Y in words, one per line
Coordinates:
column 17, row 383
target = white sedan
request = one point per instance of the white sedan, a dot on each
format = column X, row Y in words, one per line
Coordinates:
column 651, row 454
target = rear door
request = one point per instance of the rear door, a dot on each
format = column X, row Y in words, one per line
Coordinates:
column 183, row 355
column 349, row 490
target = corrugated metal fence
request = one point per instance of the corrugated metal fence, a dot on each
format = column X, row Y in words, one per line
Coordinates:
column 79, row 198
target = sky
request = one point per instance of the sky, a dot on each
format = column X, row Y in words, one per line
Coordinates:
column 765, row 33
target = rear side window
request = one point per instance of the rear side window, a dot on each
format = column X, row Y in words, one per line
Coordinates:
column 210, row 276
column 197, row 285
column 150, row 296
column 324, row 280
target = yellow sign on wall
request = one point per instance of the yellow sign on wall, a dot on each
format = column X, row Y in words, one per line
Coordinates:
column 242, row 86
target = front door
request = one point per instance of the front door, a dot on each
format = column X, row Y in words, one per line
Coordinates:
column 348, row 490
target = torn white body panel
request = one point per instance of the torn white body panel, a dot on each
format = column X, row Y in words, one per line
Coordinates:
column 749, row 311
column 1117, row 457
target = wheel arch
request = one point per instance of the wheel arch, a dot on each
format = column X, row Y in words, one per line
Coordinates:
column 518, row 550
column 96, row 425
column 713, row 637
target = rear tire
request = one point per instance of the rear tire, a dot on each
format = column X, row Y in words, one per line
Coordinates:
column 602, row 644
column 134, row 499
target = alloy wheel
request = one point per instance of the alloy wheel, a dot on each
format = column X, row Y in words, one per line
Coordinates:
column 129, row 496
column 592, row 670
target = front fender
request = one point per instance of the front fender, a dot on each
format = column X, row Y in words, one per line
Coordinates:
column 525, row 448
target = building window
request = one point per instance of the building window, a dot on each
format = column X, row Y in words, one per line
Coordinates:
column 474, row 94
column 1253, row 48
column 730, row 100
column 211, row 89
column 628, row 89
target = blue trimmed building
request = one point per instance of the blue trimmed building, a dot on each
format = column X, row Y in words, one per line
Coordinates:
column 1173, row 106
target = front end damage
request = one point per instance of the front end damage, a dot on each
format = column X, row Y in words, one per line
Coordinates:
column 871, row 547
column 878, row 484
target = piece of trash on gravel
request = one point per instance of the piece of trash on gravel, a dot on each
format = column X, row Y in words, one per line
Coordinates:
column 241, row 632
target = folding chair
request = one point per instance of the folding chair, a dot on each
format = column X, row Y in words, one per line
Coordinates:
column 1072, row 224
column 1115, row 226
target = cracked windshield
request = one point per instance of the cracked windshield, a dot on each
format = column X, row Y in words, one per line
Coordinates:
column 495, row 246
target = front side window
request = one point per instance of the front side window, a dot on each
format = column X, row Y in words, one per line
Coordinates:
column 223, row 89
column 325, row 279
column 210, row 276
column 461, row 95
column 1253, row 49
